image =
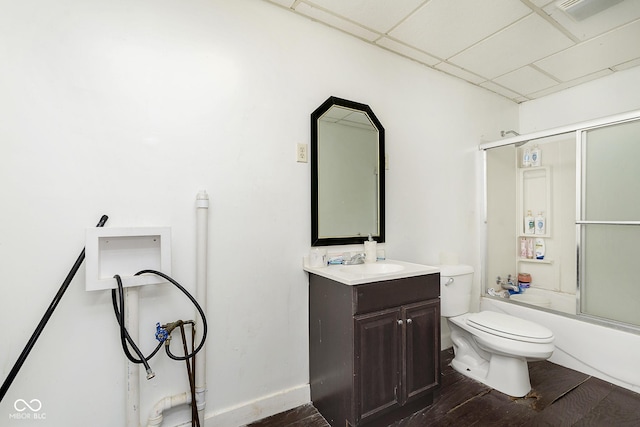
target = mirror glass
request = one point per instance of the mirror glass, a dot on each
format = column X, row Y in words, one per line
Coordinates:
column 347, row 174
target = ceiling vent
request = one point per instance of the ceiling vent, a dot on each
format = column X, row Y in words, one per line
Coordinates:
column 583, row 9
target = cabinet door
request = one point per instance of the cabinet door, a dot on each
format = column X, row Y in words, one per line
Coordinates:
column 378, row 338
column 421, row 369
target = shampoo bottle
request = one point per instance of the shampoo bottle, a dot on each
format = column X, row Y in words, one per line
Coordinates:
column 523, row 247
column 535, row 156
column 530, row 248
column 539, row 248
column 540, row 224
column 526, row 158
column 529, row 224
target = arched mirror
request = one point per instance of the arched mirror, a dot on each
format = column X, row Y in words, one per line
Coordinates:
column 347, row 174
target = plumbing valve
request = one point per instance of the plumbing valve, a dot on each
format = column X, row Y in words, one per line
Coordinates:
column 161, row 333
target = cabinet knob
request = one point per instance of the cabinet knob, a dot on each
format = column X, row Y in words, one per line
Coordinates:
column 409, row 320
column 400, row 322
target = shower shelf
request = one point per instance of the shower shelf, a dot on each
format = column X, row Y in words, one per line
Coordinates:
column 534, row 194
column 536, row 261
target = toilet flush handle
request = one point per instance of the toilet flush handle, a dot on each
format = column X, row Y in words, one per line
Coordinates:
column 450, row 281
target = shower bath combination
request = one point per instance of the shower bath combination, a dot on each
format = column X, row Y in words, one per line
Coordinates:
column 584, row 195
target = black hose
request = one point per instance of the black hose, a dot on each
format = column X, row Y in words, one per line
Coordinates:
column 118, row 308
column 195, row 303
column 191, row 371
column 124, row 334
column 43, row 322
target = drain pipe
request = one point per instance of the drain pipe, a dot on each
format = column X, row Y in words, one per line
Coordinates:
column 202, row 233
column 133, row 370
column 155, row 419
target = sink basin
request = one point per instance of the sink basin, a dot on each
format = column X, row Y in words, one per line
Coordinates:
column 380, row 271
column 374, row 268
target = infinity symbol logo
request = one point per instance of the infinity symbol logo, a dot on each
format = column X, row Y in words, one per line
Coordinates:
column 21, row 405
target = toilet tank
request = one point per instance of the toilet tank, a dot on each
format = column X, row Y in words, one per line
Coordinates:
column 455, row 289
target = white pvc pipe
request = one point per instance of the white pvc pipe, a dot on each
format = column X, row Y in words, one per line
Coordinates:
column 202, row 233
column 131, row 321
column 133, row 370
column 155, row 418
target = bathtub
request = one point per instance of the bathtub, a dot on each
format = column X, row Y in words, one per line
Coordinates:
column 603, row 352
column 565, row 303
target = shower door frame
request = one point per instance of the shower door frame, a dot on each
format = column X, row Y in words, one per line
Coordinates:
column 579, row 129
column 581, row 224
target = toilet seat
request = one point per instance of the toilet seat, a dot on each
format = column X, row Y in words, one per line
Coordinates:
column 509, row 327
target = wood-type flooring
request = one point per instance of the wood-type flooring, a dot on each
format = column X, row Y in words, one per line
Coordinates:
column 559, row 397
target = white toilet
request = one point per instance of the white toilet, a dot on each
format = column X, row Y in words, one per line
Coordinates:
column 490, row 347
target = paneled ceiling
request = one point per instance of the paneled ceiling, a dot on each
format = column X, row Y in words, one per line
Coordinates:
column 520, row 49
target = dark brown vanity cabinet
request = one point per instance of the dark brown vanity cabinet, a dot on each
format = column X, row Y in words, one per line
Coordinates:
column 374, row 348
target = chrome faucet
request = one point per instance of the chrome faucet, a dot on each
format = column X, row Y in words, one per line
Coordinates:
column 509, row 285
column 355, row 259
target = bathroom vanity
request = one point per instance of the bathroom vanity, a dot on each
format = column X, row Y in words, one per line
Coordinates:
column 374, row 341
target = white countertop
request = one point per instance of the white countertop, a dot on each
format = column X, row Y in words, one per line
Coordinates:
column 356, row 274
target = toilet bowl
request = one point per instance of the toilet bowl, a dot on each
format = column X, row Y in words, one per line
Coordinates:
column 492, row 348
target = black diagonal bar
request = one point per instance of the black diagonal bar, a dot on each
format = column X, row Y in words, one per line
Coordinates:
column 45, row 319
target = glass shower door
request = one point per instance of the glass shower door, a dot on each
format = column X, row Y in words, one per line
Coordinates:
column 608, row 222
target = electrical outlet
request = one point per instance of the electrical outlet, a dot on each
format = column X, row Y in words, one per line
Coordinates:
column 301, row 153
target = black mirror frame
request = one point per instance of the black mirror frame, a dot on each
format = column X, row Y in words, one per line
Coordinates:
column 315, row 240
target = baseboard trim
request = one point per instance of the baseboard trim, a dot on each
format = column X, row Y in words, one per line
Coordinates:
column 263, row 407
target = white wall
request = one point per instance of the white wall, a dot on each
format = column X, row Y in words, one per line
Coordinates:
column 614, row 94
column 129, row 108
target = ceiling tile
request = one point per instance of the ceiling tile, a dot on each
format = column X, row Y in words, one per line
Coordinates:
column 525, row 80
column 501, row 90
column 446, row 27
column 541, row 3
column 608, row 50
column 285, row 3
column 407, row 51
column 627, row 65
column 617, row 15
column 336, row 22
column 525, row 41
column 567, row 85
column 459, row 72
column 520, row 49
column 379, row 15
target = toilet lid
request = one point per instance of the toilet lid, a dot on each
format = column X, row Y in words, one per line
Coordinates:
column 510, row 327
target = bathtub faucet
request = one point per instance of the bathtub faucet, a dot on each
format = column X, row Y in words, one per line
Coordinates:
column 508, row 285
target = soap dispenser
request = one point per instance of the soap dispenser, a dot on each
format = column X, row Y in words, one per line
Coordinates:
column 370, row 250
